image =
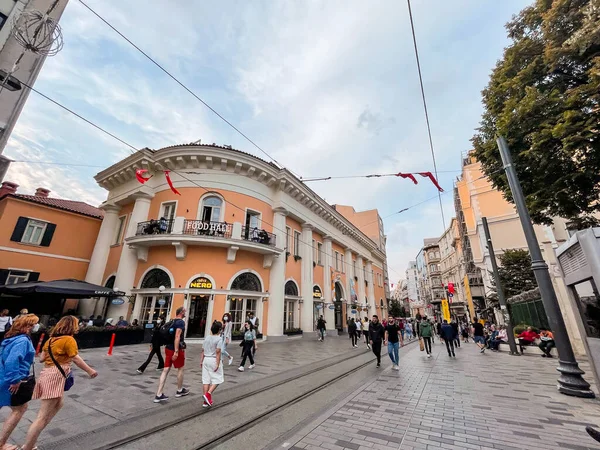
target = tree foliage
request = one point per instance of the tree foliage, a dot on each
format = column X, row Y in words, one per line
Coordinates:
column 543, row 96
column 516, row 275
column 395, row 309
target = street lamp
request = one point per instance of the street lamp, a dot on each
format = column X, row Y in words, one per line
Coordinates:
column 570, row 381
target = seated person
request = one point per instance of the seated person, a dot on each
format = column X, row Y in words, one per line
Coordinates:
column 547, row 342
column 499, row 337
column 527, row 337
column 122, row 322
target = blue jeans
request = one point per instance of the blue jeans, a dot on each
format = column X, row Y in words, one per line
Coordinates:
column 393, row 348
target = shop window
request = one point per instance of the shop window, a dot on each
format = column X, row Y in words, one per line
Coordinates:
column 247, row 281
column 291, row 289
column 239, row 308
column 155, row 279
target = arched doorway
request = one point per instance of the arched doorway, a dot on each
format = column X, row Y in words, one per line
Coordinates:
column 159, row 304
column 339, row 319
column 240, row 306
column 200, row 311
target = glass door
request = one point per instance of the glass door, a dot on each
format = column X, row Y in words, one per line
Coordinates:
column 198, row 315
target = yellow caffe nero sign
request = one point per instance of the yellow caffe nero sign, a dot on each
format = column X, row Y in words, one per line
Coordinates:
column 201, row 283
column 446, row 310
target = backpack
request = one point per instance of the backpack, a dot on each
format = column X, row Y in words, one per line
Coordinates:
column 167, row 334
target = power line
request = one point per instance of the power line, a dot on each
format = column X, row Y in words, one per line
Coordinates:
column 414, row 36
column 170, row 75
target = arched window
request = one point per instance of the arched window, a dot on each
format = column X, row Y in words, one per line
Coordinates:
column 338, row 292
column 211, row 209
column 155, row 279
column 110, row 283
column 291, row 289
column 246, row 282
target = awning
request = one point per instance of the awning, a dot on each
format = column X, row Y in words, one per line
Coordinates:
column 68, row 288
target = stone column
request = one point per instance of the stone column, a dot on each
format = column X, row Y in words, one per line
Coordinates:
column 371, row 289
column 328, row 314
column 128, row 262
column 307, row 281
column 277, row 281
column 97, row 266
column 361, row 282
column 349, row 275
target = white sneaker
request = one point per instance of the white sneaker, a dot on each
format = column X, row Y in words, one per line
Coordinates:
column 429, row 356
column 240, row 369
column 251, row 366
column 396, row 367
column 230, row 360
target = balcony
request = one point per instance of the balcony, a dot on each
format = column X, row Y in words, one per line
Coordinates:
column 180, row 233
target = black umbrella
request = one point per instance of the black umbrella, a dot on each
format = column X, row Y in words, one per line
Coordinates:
column 68, row 288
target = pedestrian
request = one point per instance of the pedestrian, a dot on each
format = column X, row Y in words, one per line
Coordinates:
column 408, row 330
column 174, row 355
column 321, row 326
column 226, row 330
column 358, row 330
column 23, row 312
column 376, row 336
column 392, row 336
column 365, row 328
column 98, row 321
column 478, row 336
column 57, row 355
column 401, row 327
column 122, row 322
column 5, row 323
column 447, row 334
column 426, row 332
column 465, row 332
column 254, row 321
column 352, row 332
column 155, row 345
column 454, row 326
column 248, row 346
column 438, row 330
column 212, row 369
column 16, row 382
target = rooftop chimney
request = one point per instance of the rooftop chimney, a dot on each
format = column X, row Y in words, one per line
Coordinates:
column 8, row 187
column 42, row 192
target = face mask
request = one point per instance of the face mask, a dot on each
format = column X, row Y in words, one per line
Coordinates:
column 225, row 319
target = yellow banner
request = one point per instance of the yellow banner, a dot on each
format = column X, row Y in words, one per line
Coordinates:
column 446, row 310
column 469, row 298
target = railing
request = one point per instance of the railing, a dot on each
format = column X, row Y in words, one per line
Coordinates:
column 162, row 226
column 205, row 228
column 258, row 236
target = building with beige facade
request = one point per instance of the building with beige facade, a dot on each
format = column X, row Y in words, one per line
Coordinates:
column 429, row 274
column 453, row 269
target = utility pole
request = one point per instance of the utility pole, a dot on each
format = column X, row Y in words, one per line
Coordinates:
column 570, row 381
column 500, row 289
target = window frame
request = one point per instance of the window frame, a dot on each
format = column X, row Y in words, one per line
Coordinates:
column 320, row 253
column 25, row 276
column 337, row 264
column 288, row 238
column 221, row 207
column 163, row 206
column 253, row 213
column 41, row 235
column 297, row 243
column 120, row 230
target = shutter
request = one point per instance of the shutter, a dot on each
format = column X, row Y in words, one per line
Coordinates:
column 33, row 276
column 3, row 276
column 19, row 229
column 48, row 235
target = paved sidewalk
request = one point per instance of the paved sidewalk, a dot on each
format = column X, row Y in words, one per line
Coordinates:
column 119, row 392
column 489, row 401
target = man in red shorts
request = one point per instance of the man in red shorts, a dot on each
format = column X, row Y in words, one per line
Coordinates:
column 174, row 356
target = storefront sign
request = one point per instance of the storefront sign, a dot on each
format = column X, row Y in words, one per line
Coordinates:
column 317, row 292
column 117, row 301
column 319, row 306
column 201, row 283
column 162, row 301
column 331, row 306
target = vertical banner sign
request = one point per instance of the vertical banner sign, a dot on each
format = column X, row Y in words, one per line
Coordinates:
column 446, row 310
column 469, row 298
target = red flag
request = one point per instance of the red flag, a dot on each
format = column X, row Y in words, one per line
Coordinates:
column 432, row 178
column 139, row 175
column 407, row 175
column 171, row 183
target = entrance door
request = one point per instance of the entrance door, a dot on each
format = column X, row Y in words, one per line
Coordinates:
column 339, row 323
column 198, row 316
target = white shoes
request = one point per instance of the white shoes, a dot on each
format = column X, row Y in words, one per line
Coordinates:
column 395, row 367
column 429, row 355
column 240, row 369
column 251, row 366
column 230, row 360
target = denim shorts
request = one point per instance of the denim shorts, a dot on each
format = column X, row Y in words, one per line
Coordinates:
column 479, row 339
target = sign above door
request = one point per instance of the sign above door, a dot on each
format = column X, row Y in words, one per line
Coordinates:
column 201, row 283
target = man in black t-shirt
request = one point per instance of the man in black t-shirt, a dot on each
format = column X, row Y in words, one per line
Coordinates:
column 392, row 339
column 478, row 336
column 376, row 335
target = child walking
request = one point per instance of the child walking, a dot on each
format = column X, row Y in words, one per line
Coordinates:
column 212, row 369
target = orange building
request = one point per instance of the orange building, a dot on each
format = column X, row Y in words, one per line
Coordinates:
column 243, row 237
column 44, row 238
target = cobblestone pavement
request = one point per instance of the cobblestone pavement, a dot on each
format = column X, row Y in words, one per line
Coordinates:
column 489, row 401
column 119, row 392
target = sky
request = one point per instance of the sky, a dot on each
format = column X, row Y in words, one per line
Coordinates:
column 326, row 87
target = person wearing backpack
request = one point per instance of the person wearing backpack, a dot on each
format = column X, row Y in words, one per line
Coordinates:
column 173, row 333
column 321, row 324
column 155, row 347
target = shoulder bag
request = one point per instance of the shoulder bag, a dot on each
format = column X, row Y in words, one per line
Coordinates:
column 69, row 380
column 25, row 392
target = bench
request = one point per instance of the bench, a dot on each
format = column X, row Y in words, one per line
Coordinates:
column 527, row 349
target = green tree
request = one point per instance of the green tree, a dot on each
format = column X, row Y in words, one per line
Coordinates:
column 395, row 309
column 516, row 275
column 543, row 96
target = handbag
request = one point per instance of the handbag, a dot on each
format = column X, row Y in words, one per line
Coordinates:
column 69, row 380
column 421, row 344
column 25, row 391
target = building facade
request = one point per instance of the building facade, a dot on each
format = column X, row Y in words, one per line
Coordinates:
column 416, row 305
column 429, row 273
column 13, row 96
column 243, row 236
column 37, row 242
column 453, row 270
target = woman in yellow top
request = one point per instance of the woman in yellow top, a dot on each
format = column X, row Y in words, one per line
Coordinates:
column 50, row 385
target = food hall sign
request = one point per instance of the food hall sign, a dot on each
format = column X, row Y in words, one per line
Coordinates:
column 201, row 283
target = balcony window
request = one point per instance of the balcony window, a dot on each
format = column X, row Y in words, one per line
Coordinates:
column 319, row 253
column 211, row 209
column 296, row 243
column 168, row 210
